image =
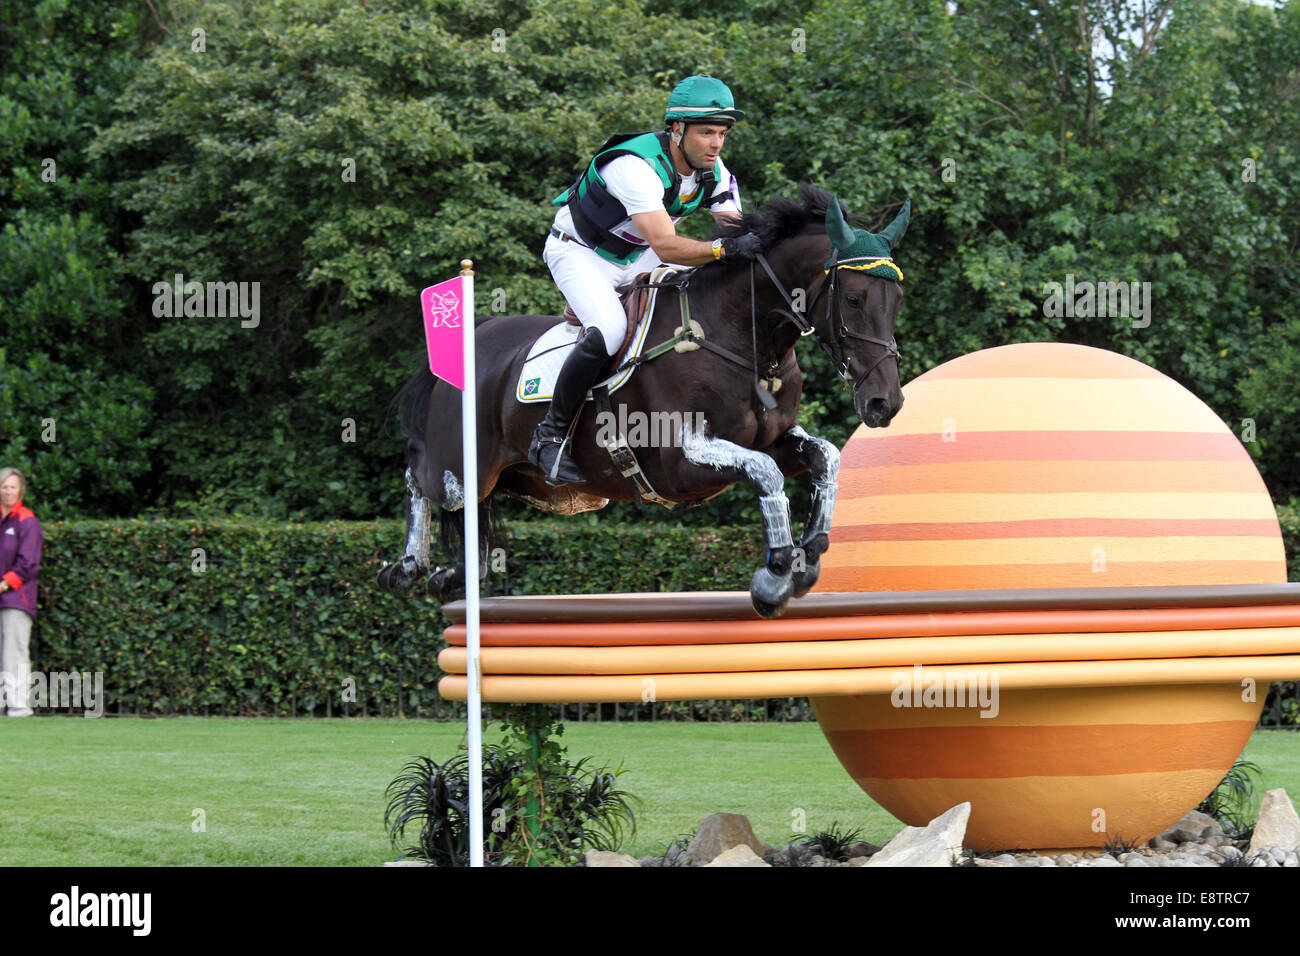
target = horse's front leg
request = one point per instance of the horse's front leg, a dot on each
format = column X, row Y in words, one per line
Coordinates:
column 795, row 451
column 771, row 586
column 398, row 578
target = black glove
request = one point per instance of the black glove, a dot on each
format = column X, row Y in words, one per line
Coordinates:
column 742, row 247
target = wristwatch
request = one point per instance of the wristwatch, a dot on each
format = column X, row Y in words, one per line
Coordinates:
column 717, row 248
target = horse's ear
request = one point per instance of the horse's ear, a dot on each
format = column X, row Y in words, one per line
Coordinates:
column 894, row 231
column 841, row 235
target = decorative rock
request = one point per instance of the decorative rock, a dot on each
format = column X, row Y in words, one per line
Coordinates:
column 718, row 833
column 861, row 849
column 937, row 844
column 1192, row 828
column 1104, row 860
column 607, row 858
column 1292, row 859
column 1136, row 859
column 1278, row 824
column 998, row 861
column 1278, row 853
column 1067, row 859
column 741, row 855
column 1160, row 843
column 1229, row 852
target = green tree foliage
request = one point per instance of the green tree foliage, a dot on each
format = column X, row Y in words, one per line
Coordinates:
column 343, row 155
column 74, row 407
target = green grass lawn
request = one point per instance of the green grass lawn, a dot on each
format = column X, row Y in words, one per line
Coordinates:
column 123, row 791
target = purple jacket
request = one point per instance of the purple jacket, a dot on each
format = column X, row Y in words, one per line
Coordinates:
column 21, row 537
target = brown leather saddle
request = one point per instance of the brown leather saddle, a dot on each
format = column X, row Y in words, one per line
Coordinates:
column 634, row 298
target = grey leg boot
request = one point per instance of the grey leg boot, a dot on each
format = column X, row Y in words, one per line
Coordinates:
column 549, row 450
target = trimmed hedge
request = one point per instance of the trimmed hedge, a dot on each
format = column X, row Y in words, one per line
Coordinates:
column 274, row 619
column 228, row 617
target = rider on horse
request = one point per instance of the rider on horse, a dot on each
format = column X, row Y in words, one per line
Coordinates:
column 618, row 220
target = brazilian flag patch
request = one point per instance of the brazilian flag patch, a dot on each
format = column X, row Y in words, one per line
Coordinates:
column 531, row 386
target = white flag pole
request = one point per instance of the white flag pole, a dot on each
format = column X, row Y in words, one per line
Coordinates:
column 469, row 457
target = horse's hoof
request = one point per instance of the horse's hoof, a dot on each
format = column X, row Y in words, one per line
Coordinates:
column 770, row 592
column 445, row 585
column 805, row 579
column 391, row 579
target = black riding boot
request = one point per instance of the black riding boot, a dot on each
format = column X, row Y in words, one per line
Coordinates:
column 549, row 450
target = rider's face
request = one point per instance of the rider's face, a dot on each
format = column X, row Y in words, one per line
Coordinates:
column 702, row 142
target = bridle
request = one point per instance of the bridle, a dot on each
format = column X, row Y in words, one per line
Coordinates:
column 835, row 348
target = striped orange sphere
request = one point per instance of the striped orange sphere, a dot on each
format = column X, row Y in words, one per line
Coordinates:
column 1048, row 465
column 1042, row 466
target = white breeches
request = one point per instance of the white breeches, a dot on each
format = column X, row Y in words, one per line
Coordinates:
column 588, row 284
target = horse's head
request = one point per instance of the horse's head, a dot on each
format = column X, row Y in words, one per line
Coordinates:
column 863, row 289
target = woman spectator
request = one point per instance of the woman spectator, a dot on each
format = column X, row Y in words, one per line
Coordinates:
column 21, row 538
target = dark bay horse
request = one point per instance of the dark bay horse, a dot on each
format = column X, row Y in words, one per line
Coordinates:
column 732, row 399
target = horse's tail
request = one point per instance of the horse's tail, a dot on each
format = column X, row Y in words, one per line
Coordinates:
column 411, row 404
column 411, row 401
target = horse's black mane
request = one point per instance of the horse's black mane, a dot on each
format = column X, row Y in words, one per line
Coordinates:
column 781, row 218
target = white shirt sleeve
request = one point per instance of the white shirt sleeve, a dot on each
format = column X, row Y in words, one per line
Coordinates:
column 633, row 183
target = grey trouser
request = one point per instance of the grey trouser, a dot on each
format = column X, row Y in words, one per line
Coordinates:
column 15, row 667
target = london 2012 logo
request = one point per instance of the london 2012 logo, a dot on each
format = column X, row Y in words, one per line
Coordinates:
column 444, row 310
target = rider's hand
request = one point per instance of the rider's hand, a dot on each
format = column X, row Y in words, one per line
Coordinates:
column 742, row 247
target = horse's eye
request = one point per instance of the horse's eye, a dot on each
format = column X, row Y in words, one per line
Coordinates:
column 854, row 299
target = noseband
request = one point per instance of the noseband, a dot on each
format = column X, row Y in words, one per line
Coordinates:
column 834, row 318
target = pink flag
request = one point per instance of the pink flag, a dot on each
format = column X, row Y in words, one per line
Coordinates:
column 444, row 307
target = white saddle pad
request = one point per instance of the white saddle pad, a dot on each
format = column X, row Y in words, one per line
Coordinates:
column 546, row 357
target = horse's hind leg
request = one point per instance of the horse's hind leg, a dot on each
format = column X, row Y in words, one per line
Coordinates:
column 771, row 587
column 448, row 584
column 398, row 578
column 823, row 459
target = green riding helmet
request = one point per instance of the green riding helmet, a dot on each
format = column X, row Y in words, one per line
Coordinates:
column 701, row 97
